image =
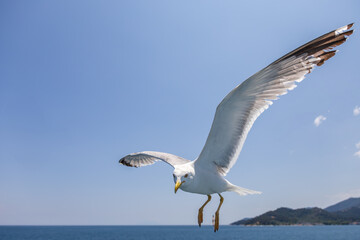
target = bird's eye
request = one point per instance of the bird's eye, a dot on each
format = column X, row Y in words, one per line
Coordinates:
column 186, row 175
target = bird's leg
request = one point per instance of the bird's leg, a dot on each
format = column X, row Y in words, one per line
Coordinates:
column 200, row 215
column 217, row 220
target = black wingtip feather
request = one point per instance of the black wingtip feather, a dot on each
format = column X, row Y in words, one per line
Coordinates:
column 322, row 44
column 124, row 162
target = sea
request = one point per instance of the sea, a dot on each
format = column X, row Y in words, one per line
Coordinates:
column 348, row 232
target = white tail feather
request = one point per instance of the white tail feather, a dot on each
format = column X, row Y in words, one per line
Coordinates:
column 242, row 191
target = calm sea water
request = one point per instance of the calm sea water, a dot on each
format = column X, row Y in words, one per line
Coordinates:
column 178, row 232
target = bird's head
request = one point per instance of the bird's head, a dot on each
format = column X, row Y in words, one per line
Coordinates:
column 183, row 176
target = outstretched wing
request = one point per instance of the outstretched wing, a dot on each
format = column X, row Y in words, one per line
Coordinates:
column 141, row 159
column 238, row 111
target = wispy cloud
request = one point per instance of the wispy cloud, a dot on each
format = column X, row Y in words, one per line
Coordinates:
column 318, row 120
column 356, row 111
column 357, row 154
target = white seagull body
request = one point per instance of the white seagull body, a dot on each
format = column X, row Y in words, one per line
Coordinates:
column 235, row 116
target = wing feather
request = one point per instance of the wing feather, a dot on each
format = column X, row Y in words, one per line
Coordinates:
column 145, row 158
column 238, row 111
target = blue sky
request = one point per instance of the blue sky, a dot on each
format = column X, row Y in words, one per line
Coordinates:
column 83, row 83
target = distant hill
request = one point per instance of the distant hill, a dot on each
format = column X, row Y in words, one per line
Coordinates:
column 349, row 213
column 344, row 205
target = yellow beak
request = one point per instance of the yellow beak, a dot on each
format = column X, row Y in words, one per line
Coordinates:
column 177, row 185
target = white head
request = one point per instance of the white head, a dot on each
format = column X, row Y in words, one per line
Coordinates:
column 183, row 176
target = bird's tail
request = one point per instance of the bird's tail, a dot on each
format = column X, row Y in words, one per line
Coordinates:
column 242, row 191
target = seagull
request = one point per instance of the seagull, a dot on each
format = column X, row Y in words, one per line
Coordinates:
column 234, row 118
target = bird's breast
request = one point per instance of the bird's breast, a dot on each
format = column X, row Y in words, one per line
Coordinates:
column 206, row 183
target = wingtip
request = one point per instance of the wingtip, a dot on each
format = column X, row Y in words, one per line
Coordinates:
column 123, row 162
column 343, row 29
column 348, row 33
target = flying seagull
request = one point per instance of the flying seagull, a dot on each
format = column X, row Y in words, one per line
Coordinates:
column 234, row 117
